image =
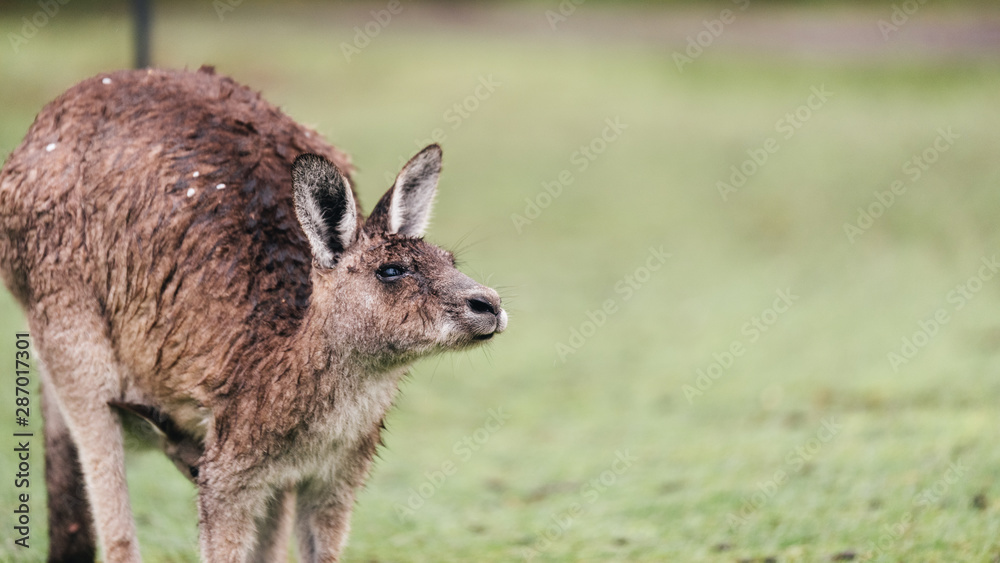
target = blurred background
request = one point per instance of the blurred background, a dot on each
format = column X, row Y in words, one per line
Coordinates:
column 749, row 251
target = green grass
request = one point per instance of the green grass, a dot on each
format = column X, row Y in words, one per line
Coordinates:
column 622, row 391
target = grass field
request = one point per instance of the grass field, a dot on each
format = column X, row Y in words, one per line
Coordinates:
column 780, row 387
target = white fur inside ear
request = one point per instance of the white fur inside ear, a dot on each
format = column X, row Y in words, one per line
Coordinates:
column 413, row 193
column 396, row 208
column 349, row 222
column 315, row 229
column 319, row 233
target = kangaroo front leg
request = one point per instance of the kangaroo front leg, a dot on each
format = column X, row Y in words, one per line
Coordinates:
column 230, row 506
column 273, row 531
column 323, row 519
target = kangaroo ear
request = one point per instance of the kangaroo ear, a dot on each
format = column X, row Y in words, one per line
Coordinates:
column 324, row 204
column 412, row 195
column 163, row 426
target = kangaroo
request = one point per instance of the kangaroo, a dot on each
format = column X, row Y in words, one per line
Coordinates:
column 177, row 242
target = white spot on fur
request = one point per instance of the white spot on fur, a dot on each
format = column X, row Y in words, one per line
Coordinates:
column 196, row 174
column 220, row 186
column 190, row 192
column 106, row 81
column 50, row 147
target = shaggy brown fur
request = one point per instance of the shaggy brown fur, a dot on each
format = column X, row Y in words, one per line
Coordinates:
column 150, row 228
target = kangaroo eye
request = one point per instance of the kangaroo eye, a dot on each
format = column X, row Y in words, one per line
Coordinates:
column 390, row 272
column 194, row 471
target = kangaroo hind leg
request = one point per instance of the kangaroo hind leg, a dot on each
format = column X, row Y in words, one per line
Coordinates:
column 71, row 527
column 82, row 376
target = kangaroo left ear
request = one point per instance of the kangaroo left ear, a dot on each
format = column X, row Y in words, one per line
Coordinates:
column 412, row 195
column 324, row 204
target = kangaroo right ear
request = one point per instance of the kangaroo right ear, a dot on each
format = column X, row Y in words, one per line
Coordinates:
column 324, row 204
column 406, row 208
column 163, row 425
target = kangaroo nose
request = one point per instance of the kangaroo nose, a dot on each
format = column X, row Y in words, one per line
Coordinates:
column 484, row 316
column 484, row 304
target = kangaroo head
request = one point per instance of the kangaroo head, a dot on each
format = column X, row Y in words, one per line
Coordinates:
column 390, row 295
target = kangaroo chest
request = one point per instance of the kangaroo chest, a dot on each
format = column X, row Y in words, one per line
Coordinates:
column 341, row 441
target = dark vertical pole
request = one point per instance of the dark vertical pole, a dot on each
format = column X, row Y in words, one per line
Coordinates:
column 140, row 16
